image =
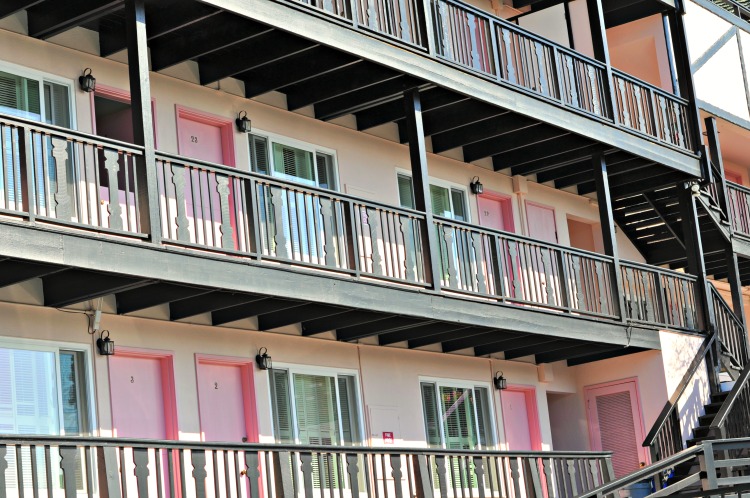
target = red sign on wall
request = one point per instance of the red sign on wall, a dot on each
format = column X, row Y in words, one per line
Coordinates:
column 388, row 438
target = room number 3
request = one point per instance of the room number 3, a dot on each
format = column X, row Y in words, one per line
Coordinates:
column 132, row 380
column 194, row 139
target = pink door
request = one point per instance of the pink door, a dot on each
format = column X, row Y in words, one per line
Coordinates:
column 225, row 407
column 519, row 419
column 614, row 417
column 495, row 212
column 541, row 222
column 201, row 140
column 137, row 390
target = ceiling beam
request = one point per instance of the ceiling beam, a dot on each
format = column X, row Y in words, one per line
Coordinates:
column 207, row 303
column 524, row 138
column 534, row 349
column 419, row 332
column 251, row 309
column 457, row 115
column 347, row 319
column 76, row 286
column 494, row 336
column 523, row 158
column 14, row 271
column 53, row 17
column 153, row 295
column 521, row 342
column 432, row 99
column 447, row 336
column 477, row 132
column 377, row 327
column 562, row 159
column 283, row 318
column 575, row 351
column 10, row 7
column 349, row 103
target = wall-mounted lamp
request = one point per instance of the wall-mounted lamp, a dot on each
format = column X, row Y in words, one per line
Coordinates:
column 695, row 188
column 476, row 186
column 500, row 382
column 105, row 345
column 244, row 125
column 87, row 81
column 263, row 359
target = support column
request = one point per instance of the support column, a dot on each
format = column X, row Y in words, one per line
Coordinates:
column 601, row 47
column 143, row 121
column 607, row 219
column 421, row 182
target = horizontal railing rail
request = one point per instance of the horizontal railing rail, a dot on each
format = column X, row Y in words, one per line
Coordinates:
column 115, row 468
column 739, row 208
column 659, row 296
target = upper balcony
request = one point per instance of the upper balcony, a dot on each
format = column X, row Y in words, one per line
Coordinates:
column 494, row 91
column 239, row 245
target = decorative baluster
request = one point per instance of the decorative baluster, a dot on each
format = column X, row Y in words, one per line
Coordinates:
column 678, row 124
column 445, row 42
column 647, row 297
column 634, row 310
column 542, row 68
column 594, row 466
column 372, row 15
column 63, row 207
column 112, row 165
column 672, row 301
column 352, row 468
column 546, row 464
column 509, row 66
column 572, row 81
column 603, row 303
column 307, row 472
column 624, row 100
column 549, row 281
column 140, row 459
column 664, row 119
column 410, row 261
column 515, row 475
column 396, row 474
column 252, row 472
column 326, row 212
column 512, row 270
column 277, row 206
column 178, row 180
column 68, row 457
column 404, row 24
column 595, row 97
column 448, row 238
column 442, row 483
column 479, row 473
column 639, row 110
column 572, row 473
column 471, row 21
column 479, row 261
column 579, row 278
column 284, row 480
column 687, row 312
column 373, row 221
column 227, row 232
column 532, row 474
column 108, row 470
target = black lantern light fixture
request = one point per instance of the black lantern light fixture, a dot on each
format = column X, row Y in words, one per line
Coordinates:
column 87, row 81
column 105, row 345
column 263, row 359
column 244, row 125
column 500, row 382
column 476, row 186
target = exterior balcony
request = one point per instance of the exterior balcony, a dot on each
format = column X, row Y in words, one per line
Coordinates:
column 238, row 245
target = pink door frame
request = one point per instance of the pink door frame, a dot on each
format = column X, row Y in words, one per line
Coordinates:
column 166, row 358
column 543, row 206
column 112, row 93
column 640, row 434
column 529, row 393
column 225, row 125
column 507, row 200
column 248, row 389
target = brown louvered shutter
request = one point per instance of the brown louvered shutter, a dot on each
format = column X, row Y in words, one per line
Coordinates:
column 617, row 430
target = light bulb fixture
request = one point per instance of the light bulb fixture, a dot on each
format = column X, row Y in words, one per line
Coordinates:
column 695, row 188
column 244, row 125
column 476, row 186
column 87, row 81
column 105, row 345
column 500, row 382
column 263, row 359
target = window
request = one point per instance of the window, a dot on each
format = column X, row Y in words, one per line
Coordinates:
column 292, row 160
column 447, row 201
column 315, row 408
column 457, row 417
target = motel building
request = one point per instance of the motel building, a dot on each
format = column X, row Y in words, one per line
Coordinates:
column 374, row 248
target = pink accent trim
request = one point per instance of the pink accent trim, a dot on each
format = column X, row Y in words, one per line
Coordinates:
column 112, row 93
column 225, row 125
column 248, row 388
column 609, row 388
column 542, row 206
column 529, row 393
column 506, row 201
column 166, row 359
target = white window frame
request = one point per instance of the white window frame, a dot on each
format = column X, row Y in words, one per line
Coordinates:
column 462, row 384
column 299, row 144
column 40, row 345
column 439, row 183
column 25, row 72
column 294, row 368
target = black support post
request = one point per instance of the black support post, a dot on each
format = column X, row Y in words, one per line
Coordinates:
column 421, row 182
column 143, row 122
column 601, row 47
column 606, row 216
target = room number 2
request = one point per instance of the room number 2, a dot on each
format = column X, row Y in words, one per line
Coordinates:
column 216, row 385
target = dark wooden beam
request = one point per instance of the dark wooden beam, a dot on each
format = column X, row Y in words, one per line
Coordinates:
column 447, row 336
column 523, row 160
column 456, row 115
column 207, row 303
column 14, row 271
column 282, row 318
column 251, row 309
column 208, row 35
column 52, row 17
column 336, row 83
column 348, row 319
column 261, row 50
column 10, row 7
column 419, row 332
column 575, row 351
column 502, row 145
column 480, row 131
column 349, row 103
column 491, row 337
column 522, row 342
column 76, row 286
column 661, row 212
column 605, row 355
column 377, row 327
column 296, row 68
column 432, row 99
column 153, row 295
column 535, row 349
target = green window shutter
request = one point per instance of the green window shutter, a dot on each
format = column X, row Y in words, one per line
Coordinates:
column 56, row 103
column 325, row 170
column 293, row 162
column 484, row 427
column 441, row 204
column 405, row 191
column 317, row 414
column 282, row 408
column 348, row 404
column 20, row 96
column 458, row 418
column 431, row 414
column 459, row 205
column 259, row 154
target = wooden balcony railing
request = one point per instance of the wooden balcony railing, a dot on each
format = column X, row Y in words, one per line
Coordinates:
column 237, row 214
column 113, row 468
column 494, row 48
column 739, row 208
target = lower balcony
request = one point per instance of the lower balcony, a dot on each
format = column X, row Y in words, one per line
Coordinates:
column 112, row 468
column 90, row 187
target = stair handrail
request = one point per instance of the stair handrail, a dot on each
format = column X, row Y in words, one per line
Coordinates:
column 719, row 421
column 648, row 472
column 721, row 305
column 671, row 404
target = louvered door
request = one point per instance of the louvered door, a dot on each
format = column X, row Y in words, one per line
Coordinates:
column 615, row 424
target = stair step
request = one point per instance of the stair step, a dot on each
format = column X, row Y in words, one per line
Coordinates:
column 713, row 408
column 692, row 442
column 706, row 420
column 719, row 398
column 701, row 431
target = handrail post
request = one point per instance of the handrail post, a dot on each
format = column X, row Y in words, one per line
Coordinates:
column 143, row 122
column 429, row 29
column 601, row 49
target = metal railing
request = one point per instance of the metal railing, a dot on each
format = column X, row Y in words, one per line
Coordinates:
column 120, row 468
column 739, row 208
column 731, row 331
